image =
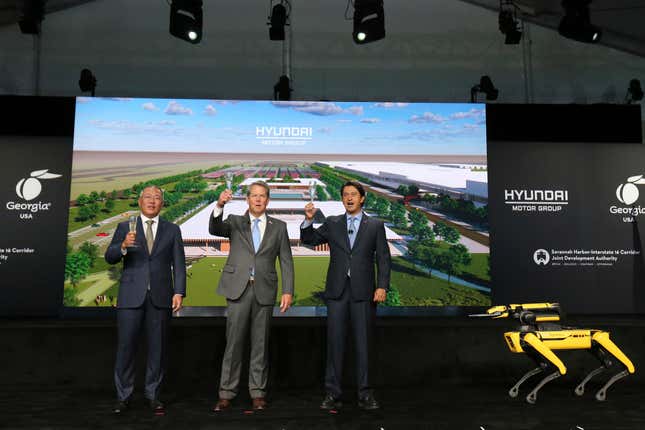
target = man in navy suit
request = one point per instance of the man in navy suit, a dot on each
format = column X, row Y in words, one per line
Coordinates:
column 153, row 285
column 357, row 245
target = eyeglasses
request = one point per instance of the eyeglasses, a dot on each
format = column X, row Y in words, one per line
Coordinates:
column 154, row 197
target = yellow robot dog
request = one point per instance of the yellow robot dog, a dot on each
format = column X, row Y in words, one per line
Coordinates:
column 540, row 334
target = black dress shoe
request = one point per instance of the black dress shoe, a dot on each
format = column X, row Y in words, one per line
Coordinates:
column 330, row 403
column 157, row 407
column 120, row 407
column 368, row 403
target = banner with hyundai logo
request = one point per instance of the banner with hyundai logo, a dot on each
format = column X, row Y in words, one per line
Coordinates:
column 567, row 224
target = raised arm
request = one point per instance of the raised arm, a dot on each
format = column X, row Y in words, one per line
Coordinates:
column 217, row 226
column 308, row 234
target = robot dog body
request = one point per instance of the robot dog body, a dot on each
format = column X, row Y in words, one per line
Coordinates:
column 540, row 334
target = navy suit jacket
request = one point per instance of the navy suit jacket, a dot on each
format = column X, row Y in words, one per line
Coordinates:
column 370, row 250
column 164, row 270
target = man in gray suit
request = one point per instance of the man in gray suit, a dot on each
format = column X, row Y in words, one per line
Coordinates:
column 357, row 245
column 152, row 284
column 250, row 283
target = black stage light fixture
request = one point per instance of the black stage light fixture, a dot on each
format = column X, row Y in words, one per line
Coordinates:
column 634, row 92
column 576, row 24
column 30, row 16
column 87, row 82
column 509, row 25
column 186, row 19
column 282, row 89
column 485, row 86
column 369, row 21
column 278, row 19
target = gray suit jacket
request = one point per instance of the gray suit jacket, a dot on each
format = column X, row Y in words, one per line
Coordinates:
column 242, row 256
column 370, row 249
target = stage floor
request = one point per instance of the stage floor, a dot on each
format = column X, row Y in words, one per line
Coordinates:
column 450, row 407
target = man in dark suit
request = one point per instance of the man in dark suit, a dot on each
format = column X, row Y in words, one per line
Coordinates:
column 153, row 284
column 250, row 283
column 356, row 244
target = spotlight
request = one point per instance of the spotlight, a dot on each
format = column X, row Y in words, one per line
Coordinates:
column 485, row 86
column 634, row 92
column 186, row 18
column 576, row 23
column 509, row 25
column 87, row 82
column 282, row 89
column 31, row 14
column 278, row 19
column 369, row 21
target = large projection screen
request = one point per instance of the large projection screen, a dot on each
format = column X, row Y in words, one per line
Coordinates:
column 424, row 166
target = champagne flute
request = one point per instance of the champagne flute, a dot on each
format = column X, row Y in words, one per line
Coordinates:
column 229, row 181
column 133, row 227
column 312, row 191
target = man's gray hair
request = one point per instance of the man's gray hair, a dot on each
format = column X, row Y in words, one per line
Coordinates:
column 259, row 184
column 151, row 186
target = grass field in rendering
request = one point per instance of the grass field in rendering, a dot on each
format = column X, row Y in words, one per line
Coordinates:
column 416, row 288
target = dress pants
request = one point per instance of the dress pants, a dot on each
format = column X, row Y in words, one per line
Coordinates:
column 342, row 312
column 130, row 321
column 245, row 314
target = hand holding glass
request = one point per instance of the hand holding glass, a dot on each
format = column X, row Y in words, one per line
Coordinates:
column 133, row 228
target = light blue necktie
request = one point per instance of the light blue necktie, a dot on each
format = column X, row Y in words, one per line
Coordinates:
column 255, row 232
column 351, row 231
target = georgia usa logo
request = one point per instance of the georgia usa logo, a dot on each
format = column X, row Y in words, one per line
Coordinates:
column 28, row 189
column 627, row 193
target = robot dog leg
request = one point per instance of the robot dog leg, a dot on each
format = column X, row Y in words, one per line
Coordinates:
column 604, row 349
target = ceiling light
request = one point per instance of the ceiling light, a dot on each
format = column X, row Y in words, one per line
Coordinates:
column 369, row 21
column 186, row 19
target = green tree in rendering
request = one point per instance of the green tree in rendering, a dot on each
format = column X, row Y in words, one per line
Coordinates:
column 108, row 206
column 82, row 200
column 398, row 215
column 451, row 234
column 69, row 297
column 77, row 266
column 429, row 256
column 84, row 213
column 453, row 259
column 91, row 250
column 382, row 207
column 393, row 297
column 440, row 229
column 413, row 190
column 423, row 233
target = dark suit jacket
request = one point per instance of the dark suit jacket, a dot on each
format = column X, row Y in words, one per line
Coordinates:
column 370, row 248
column 164, row 270
column 242, row 256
